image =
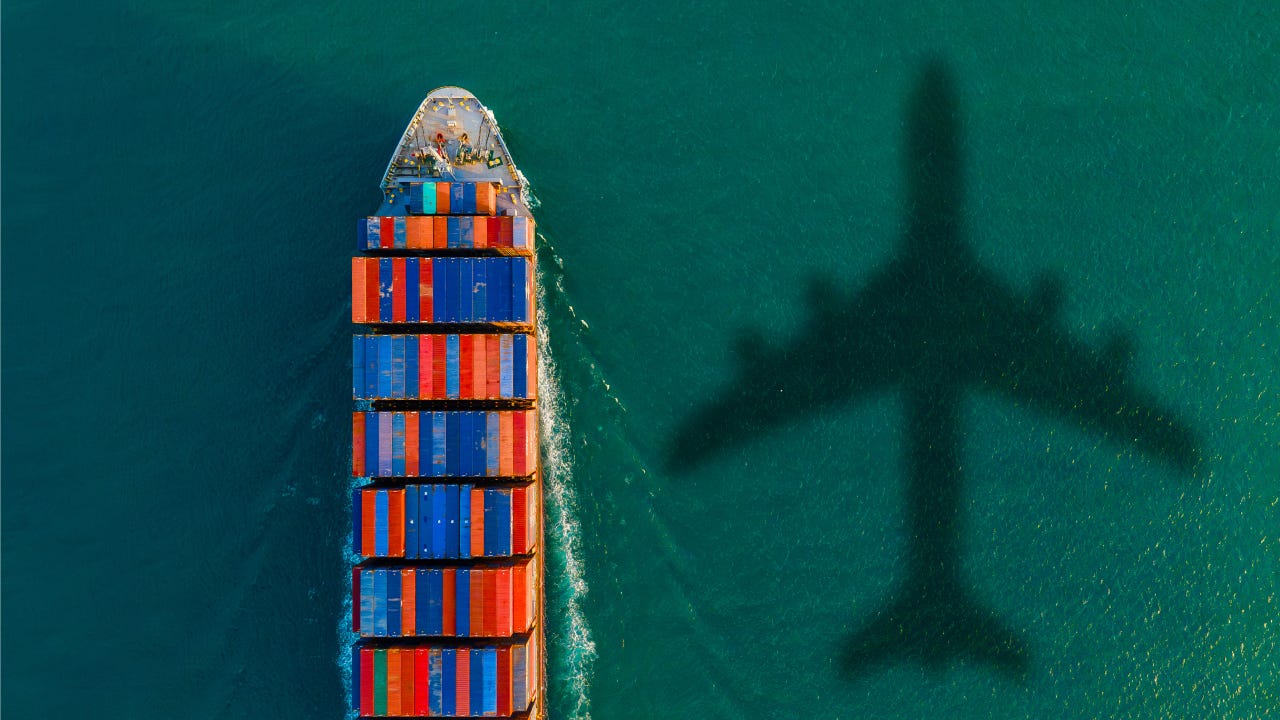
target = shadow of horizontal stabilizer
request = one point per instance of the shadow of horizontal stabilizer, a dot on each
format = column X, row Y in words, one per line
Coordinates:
column 936, row 627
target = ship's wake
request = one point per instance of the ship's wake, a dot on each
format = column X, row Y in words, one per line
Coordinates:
column 571, row 672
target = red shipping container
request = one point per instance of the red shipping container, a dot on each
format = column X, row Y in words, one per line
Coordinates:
column 357, row 290
column 521, row 444
column 480, row 364
column 387, row 232
column 355, row 599
column 368, row 522
column 505, row 453
column 417, row 232
column 533, row 507
column 450, row 589
column 440, row 232
column 504, row 682
column 519, row 618
column 366, row 682
column 398, row 293
column 519, row 521
column 463, row 685
column 357, row 444
column 442, row 200
column 476, row 611
column 426, row 304
column 425, row 343
column 411, row 449
column 395, row 523
column 494, row 231
column 371, row 290
column 422, row 682
column 502, row 602
column 532, row 573
column 439, row 365
column 493, row 364
column 465, row 384
column 477, row 523
column 504, row 228
column 480, row 230
column 406, row 682
column 408, row 603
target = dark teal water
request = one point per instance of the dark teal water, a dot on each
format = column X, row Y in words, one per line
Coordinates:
column 178, row 195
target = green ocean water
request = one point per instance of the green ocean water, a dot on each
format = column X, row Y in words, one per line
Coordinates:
column 177, row 201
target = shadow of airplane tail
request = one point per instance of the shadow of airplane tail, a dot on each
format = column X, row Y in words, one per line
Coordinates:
column 936, row 625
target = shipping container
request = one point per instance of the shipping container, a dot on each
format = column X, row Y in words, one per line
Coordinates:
column 459, row 443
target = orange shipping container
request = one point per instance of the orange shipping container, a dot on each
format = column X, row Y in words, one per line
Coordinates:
column 442, row 199
column 477, row 524
column 408, row 603
column 486, row 196
column 440, row 238
column 481, row 231
column 395, row 522
column 357, row 290
column 418, row 232
column 505, row 456
column 393, row 681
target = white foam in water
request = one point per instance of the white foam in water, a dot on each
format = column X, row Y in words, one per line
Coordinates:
column 563, row 531
column 346, row 634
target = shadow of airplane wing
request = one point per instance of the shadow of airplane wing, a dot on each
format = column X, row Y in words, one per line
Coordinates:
column 1042, row 366
column 843, row 354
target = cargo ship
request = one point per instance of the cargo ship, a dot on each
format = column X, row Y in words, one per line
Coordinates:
column 447, row 521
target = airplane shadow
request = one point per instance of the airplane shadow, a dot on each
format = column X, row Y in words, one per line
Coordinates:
column 934, row 324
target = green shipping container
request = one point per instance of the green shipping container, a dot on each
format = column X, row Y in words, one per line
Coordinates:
column 428, row 193
column 379, row 682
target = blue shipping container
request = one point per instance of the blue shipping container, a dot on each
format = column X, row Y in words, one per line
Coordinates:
column 384, row 290
column 412, row 285
column 380, row 603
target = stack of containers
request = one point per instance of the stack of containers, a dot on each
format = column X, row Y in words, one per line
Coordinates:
column 452, row 628
column 443, row 367
column 496, row 600
column 444, row 443
column 413, row 290
column 483, row 680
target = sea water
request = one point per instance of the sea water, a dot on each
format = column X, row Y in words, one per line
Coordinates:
column 179, row 194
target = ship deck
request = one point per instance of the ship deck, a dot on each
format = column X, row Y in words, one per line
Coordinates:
column 453, row 137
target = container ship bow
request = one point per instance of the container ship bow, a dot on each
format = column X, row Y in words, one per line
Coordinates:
column 448, row 594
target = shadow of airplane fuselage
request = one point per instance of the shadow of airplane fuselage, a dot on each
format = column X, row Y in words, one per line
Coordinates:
column 933, row 324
